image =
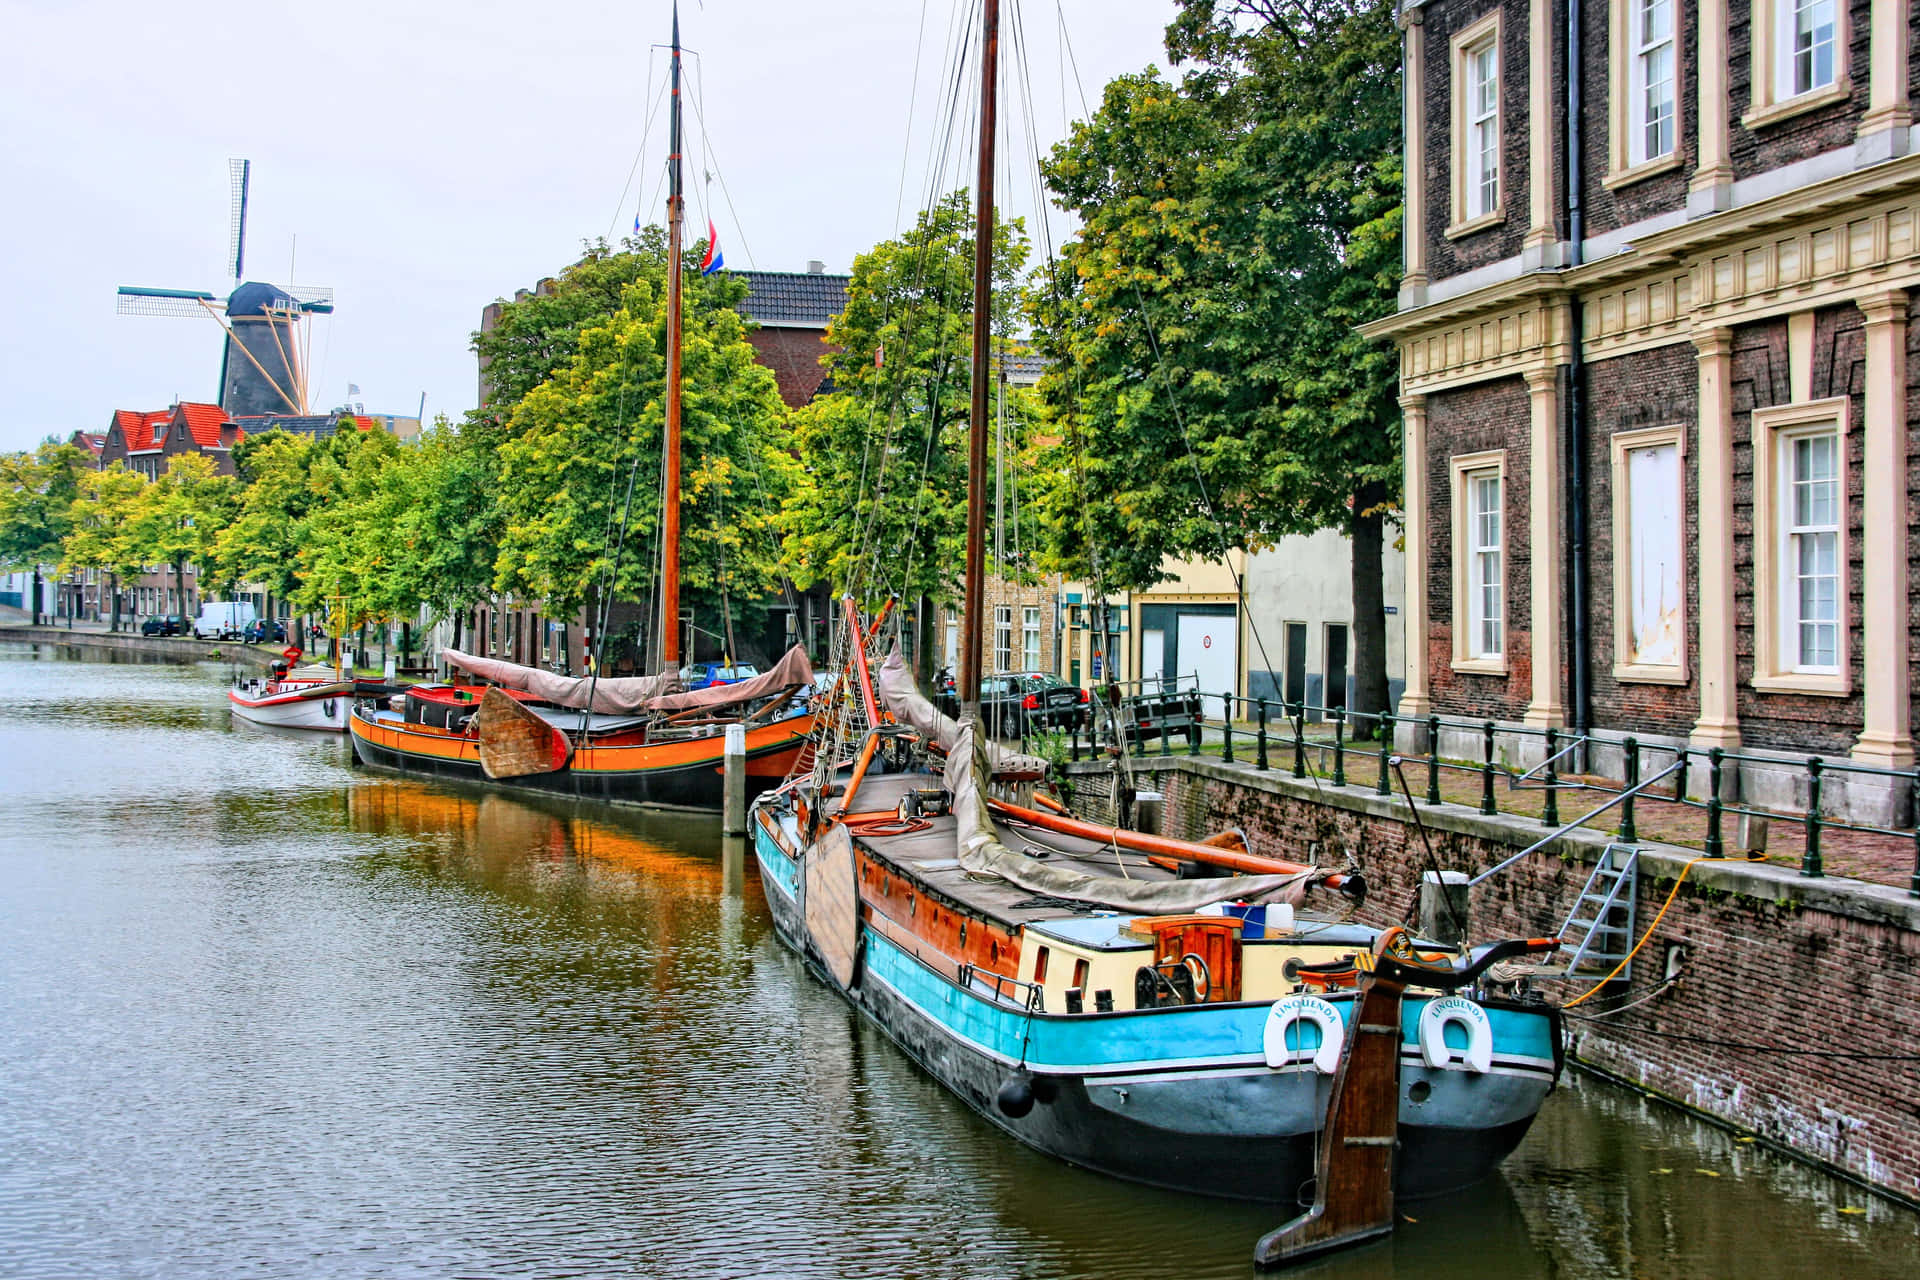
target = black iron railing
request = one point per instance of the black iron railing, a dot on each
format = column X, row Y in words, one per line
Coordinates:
column 1329, row 743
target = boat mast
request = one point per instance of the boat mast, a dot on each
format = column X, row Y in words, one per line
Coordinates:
column 971, row 622
column 670, row 496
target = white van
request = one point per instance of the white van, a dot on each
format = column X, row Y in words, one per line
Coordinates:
column 223, row 619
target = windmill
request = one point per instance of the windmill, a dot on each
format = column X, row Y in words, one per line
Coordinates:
column 263, row 366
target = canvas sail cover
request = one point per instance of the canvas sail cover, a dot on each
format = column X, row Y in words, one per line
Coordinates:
column 981, row 852
column 909, row 706
column 631, row 695
column 625, row 695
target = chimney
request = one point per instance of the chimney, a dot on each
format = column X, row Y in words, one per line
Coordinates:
column 815, row 267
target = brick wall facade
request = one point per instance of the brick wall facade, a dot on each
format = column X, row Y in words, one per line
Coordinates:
column 794, row 356
column 1496, row 242
column 1771, row 145
column 1607, row 210
column 1651, row 389
column 1769, row 958
column 1477, row 419
column 1760, row 379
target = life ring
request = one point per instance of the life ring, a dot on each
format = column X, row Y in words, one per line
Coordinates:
column 292, row 653
column 1434, row 1049
column 1289, row 1010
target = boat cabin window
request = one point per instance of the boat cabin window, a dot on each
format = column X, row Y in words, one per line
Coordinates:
column 1081, row 970
column 1040, row 964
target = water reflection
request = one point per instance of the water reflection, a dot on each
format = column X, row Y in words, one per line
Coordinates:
column 263, row 1012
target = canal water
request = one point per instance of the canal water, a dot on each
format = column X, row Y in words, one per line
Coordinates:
column 266, row 1014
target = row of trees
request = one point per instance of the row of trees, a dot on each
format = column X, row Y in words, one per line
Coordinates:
column 1204, row 388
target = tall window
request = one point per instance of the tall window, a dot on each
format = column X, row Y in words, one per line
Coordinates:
column 1653, row 95
column 1002, row 637
column 1483, row 128
column 1030, row 638
column 1806, row 45
column 1485, row 616
column 1810, row 583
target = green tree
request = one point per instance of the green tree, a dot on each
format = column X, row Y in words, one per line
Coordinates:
column 574, row 443
column 451, row 530
column 37, row 493
column 883, row 508
column 262, row 542
column 351, row 566
column 535, row 337
column 101, row 537
column 1206, row 379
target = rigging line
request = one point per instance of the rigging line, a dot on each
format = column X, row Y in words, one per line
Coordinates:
column 913, row 103
column 708, row 154
column 869, row 534
column 640, row 152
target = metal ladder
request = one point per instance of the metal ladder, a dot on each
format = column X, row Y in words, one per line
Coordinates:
column 1599, row 930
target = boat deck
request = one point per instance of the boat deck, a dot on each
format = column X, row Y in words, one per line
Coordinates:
column 930, row 856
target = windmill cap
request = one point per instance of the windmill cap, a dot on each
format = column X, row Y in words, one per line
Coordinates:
column 255, row 299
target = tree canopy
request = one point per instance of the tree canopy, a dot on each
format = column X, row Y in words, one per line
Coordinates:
column 883, row 507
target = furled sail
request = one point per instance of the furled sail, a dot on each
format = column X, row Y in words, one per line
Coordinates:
column 632, row 695
column 982, row 852
column 624, row 695
column 909, row 706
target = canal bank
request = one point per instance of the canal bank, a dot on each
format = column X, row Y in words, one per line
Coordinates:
column 178, row 648
column 1782, row 1006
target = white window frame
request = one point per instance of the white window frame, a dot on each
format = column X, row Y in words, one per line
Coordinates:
column 1771, row 69
column 1469, row 213
column 1469, row 654
column 1627, row 666
column 1002, row 637
column 1776, row 665
column 1627, row 157
column 1030, row 637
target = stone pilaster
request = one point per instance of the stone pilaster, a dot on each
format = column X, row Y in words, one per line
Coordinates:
column 1415, row 699
column 1886, row 736
column 1719, row 722
column 1544, row 487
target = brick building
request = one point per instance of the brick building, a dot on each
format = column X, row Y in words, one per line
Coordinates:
column 144, row 441
column 790, row 311
column 1658, row 421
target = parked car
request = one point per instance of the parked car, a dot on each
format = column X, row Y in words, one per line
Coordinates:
column 1019, row 702
column 704, row 675
column 223, row 619
column 261, row 631
column 168, row 625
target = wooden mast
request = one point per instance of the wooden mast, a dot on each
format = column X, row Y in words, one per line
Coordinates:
column 972, row 623
column 670, row 496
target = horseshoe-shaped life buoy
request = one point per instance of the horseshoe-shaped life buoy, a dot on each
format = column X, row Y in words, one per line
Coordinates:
column 1290, row 1010
column 1478, row 1056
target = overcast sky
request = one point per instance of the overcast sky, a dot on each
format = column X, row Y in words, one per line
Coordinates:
column 424, row 158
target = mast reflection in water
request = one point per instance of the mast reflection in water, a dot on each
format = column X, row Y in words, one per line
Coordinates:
column 261, row 1013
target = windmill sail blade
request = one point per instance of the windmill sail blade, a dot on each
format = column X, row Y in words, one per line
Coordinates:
column 312, row 297
column 238, row 172
column 133, row 301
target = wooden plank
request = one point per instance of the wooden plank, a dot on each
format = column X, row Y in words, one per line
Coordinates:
column 514, row 742
column 1353, row 1189
column 830, row 901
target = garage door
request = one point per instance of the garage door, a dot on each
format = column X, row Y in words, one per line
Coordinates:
column 1208, row 645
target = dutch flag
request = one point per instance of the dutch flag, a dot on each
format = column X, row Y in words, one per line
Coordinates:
column 713, row 261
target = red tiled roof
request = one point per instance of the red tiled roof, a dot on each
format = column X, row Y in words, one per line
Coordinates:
column 141, row 429
column 93, row 442
column 203, row 422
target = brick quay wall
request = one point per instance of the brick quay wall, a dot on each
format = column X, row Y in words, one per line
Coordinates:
column 1773, row 968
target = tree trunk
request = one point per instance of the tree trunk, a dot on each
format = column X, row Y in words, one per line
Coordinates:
column 180, row 591
column 36, row 595
column 1369, row 604
column 927, row 643
column 113, row 585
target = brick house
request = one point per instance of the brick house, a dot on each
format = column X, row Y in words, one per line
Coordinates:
column 790, row 311
column 145, row 441
column 1658, row 418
